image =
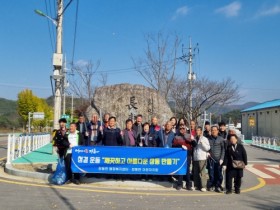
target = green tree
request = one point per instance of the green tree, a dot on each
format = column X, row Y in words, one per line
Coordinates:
column 27, row 102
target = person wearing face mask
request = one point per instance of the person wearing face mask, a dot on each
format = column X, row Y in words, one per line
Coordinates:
column 235, row 151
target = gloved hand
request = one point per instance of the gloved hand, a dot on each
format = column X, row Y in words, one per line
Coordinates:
column 184, row 147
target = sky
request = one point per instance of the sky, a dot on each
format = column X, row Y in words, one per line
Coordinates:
column 237, row 39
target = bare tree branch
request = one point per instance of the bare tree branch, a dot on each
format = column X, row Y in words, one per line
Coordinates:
column 159, row 63
column 206, row 94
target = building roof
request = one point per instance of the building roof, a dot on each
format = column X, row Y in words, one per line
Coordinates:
column 265, row 105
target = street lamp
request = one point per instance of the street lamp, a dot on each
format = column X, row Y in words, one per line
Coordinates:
column 39, row 12
column 57, row 60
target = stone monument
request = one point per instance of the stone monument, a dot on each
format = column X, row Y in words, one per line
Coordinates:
column 126, row 101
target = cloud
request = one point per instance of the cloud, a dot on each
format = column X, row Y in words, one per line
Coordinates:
column 269, row 12
column 231, row 10
column 181, row 11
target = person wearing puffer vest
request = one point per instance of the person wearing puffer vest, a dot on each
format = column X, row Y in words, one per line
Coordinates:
column 215, row 160
column 200, row 153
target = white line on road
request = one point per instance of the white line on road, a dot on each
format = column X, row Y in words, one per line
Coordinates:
column 272, row 165
column 273, row 170
column 258, row 172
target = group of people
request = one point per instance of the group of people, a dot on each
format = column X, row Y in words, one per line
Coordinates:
column 210, row 149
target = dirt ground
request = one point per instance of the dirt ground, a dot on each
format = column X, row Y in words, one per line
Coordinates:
column 42, row 168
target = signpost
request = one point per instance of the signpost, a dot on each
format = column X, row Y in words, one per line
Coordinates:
column 35, row 116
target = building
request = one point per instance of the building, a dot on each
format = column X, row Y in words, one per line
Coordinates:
column 262, row 120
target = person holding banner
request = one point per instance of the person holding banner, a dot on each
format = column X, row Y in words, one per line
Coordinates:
column 129, row 135
column 75, row 138
column 146, row 139
column 111, row 136
column 183, row 139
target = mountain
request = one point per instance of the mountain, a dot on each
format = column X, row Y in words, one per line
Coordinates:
column 9, row 117
column 7, row 106
column 228, row 108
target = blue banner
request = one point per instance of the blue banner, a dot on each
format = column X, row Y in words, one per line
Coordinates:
column 129, row 160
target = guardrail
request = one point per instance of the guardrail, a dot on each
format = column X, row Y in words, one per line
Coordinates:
column 266, row 142
column 24, row 144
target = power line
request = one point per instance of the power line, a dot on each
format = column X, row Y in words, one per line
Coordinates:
column 49, row 29
column 53, row 14
column 75, row 30
column 66, row 7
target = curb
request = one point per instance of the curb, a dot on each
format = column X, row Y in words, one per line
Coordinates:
column 9, row 169
column 264, row 148
column 98, row 182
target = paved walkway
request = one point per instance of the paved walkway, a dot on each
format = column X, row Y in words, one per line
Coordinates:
column 42, row 155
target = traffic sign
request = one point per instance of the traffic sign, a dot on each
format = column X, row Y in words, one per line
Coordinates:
column 38, row 115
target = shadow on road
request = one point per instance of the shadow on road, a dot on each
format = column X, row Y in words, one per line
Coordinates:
column 64, row 199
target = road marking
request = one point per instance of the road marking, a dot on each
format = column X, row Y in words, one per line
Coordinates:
column 273, row 170
column 274, row 166
column 261, row 184
column 258, row 172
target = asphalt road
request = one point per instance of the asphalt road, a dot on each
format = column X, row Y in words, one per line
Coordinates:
column 3, row 147
column 23, row 193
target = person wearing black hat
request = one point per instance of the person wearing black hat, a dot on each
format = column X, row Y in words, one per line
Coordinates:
column 60, row 139
column 207, row 129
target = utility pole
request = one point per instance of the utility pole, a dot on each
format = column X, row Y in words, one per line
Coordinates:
column 57, row 63
column 188, row 58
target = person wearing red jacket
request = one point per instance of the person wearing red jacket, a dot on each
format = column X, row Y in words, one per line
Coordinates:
column 184, row 140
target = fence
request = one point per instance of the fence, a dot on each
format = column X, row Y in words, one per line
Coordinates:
column 266, row 142
column 19, row 145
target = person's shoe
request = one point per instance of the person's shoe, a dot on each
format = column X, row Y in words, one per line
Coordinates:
column 217, row 190
column 237, row 191
column 210, row 189
column 179, row 187
column 228, row 192
column 190, row 188
column 203, row 189
column 221, row 188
